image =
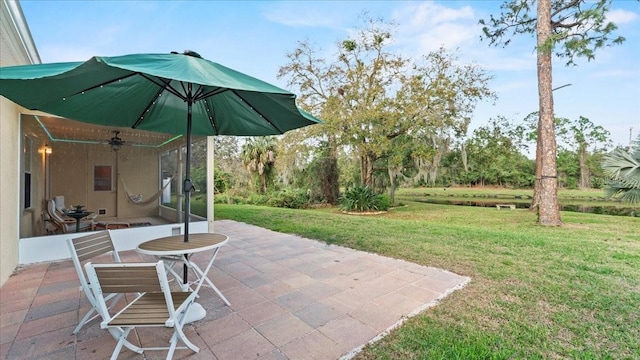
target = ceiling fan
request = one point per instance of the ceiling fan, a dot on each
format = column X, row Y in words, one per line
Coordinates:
column 115, row 142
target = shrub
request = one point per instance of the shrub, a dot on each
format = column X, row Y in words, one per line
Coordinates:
column 384, row 202
column 362, row 198
column 235, row 195
column 222, row 180
column 258, row 199
column 292, row 199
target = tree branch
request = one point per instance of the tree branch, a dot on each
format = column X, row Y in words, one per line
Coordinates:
column 565, row 7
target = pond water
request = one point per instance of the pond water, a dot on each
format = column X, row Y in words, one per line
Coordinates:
column 603, row 210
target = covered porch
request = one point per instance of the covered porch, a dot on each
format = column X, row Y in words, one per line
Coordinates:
column 118, row 174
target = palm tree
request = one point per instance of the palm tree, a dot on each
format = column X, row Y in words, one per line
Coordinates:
column 623, row 168
column 258, row 155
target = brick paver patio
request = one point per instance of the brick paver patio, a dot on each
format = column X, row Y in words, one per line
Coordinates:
column 291, row 298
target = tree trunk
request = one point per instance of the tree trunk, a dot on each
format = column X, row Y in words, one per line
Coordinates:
column 423, row 170
column 536, row 187
column 433, row 171
column 366, row 170
column 392, row 180
column 263, row 179
column 585, row 175
column 331, row 182
column 363, row 170
column 548, row 211
column 463, row 153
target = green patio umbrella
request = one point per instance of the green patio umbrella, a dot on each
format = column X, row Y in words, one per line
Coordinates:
column 171, row 93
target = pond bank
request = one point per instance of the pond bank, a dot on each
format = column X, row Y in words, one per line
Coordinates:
column 524, row 204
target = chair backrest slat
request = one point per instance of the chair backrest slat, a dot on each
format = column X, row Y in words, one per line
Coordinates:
column 89, row 246
column 124, row 279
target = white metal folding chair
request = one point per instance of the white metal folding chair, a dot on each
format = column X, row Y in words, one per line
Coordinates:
column 154, row 306
column 83, row 249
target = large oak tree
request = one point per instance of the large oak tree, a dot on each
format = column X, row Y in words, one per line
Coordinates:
column 379, row 104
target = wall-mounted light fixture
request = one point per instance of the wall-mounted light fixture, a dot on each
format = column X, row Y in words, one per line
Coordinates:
column 47, row 150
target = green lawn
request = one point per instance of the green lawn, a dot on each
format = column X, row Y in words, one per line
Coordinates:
column 536, row 292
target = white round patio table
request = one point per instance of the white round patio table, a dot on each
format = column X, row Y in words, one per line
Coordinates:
column 173, row 249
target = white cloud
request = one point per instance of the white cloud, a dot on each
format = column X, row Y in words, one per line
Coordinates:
column 621, row 16
column 450, row 35
column 424, row 27
column 427, row 14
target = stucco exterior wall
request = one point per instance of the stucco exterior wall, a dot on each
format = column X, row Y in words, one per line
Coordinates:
column 16, row 48
column 9, row 185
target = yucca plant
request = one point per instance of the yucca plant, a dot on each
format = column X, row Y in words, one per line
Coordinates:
column 361, row 198
column 623, row 168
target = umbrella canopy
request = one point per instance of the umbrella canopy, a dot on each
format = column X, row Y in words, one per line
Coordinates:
column 152, row 92
column 172, row 93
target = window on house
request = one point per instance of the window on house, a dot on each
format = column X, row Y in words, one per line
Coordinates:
column 27, row 158
column 168, row 168
column 102, row 178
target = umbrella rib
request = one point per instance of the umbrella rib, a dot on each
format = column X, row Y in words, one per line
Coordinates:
column 216, row 91
column 146, row 109
column 198, row 94
column 165, row 84
column 188, row 93
column 105, row 83
column 258, row 112
column 212, row 120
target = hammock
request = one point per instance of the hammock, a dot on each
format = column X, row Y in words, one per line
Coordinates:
column 136, row 199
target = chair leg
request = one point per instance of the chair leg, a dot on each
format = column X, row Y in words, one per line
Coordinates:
column 172, row 347
column 121, row 341
column 87, row 317
column 113, row 299
column 178, row 334
column 121, row 337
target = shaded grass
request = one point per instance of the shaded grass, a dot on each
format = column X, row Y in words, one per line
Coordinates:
column 536, row 292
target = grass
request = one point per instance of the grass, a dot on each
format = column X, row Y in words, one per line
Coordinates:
column 536, row 292
column 591, row 197
column 490, row 191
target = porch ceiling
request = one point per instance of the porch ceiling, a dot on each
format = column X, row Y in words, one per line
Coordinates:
column 60, row 129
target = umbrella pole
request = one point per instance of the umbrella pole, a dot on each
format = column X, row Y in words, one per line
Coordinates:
column 187, row 180
column 188, row 186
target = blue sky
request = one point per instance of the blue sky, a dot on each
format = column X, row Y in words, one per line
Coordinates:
column 254, row 37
